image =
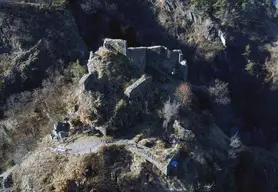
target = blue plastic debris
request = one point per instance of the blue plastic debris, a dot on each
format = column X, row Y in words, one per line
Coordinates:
column 165, row 87
column 174, row 163
column 274, row 2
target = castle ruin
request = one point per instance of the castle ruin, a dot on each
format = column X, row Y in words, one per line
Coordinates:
column 169, row 62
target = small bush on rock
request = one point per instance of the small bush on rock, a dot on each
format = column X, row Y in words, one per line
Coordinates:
column 77, row 70
column 10, row 163
column 120, row 105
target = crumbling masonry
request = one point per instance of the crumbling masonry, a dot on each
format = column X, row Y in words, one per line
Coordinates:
column 167, row 61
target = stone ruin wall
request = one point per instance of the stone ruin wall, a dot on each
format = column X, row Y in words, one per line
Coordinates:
column 170, row 62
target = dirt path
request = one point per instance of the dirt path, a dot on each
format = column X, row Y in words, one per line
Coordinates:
column 87, row 145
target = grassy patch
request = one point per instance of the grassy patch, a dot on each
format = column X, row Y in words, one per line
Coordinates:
column 122, row 103
column 58, row 2
column 10, row 163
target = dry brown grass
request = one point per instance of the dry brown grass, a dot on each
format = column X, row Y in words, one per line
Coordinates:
column 35, row 112
column 30, row 115
column 46, row 171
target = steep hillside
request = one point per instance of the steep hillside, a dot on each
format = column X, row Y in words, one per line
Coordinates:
column 221, row 39
column 37, row 43
column 193, row 89
column 33, row 40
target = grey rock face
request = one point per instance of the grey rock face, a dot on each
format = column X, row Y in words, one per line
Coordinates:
column 61, row 127
column 139, row 87
column 61, row 130
column 182, row 70
column 138, row 56
column 102, row 129
column 182, row 133
column 160, row 57
column 89, row 82
column 116, row 45
column 6, row 180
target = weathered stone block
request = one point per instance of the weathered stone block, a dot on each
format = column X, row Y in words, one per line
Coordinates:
column 177, row 55
column 140, row 86
column 138, row 55
column 158, row 49
column 88, row 82
column 116, row 45
column 6, row 179
column 91, row 55
column 183, row 70
column 160, row 57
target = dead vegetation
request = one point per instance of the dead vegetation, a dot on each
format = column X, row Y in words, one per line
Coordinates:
column 169, row 112
column 271, row 65
column 113, row 168
column 31, row 114
column 47, row 171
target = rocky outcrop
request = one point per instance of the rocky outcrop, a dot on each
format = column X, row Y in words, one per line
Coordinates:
column 61, row 130
column 6, row 179
column 90, row 82
column 138, row 88
column 110, row 91
column 116, row 45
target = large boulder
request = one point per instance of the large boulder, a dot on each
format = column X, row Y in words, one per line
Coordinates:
column 138, row 88
column 90, row 82
column 6, row 179
column 118, row 45
column 110, row 64
column 61, row 130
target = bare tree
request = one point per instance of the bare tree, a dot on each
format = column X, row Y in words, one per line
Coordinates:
column 220, row 92
column 169, row 112
column 184, row 94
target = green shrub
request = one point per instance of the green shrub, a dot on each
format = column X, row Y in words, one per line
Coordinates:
column 249, row 67
column 10, row 163
column 247, row 51
column 122, row 103
column 244, row 4
column 77, row 70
